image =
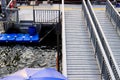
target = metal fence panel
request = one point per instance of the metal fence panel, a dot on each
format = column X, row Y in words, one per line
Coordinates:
column 46, row 16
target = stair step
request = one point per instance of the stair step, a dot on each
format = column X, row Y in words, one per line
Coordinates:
column 80, row 55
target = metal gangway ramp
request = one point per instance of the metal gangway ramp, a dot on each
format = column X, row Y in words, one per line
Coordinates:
column 81, row 62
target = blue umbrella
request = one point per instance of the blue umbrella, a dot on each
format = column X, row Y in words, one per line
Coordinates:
column 24, row 73
column 36, row 74
column 47, row 78
column 48, row 73
column 12, row 78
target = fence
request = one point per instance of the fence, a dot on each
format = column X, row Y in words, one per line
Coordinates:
column 46, row 16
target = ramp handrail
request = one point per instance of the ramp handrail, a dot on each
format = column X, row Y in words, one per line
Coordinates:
column 113, row 14
column 104, row 41
column 64, row 62
column 106, row 71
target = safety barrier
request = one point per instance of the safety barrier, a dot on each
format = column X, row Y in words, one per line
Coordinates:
column 105, row 44
column 105, row 68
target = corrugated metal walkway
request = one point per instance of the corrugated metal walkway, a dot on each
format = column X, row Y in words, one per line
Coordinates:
column 110, row 32
column 81, row 63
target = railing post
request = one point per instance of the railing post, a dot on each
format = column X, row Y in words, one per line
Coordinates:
column 102, row 69
column 17, row 16
column 58, row 41
column 96, row 47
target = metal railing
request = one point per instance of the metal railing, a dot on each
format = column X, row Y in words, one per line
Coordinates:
column 22, row 1
column 113, row 14
column 105, row 44
column 105, row 68
column 46, row 16
column 11, row 14
column 28, row 2
column 64, row 62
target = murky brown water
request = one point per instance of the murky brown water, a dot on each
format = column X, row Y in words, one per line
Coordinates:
column 13, row 58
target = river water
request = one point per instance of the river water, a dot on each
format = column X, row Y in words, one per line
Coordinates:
column 16, row 57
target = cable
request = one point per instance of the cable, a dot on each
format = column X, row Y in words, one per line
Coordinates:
column 47, row 34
